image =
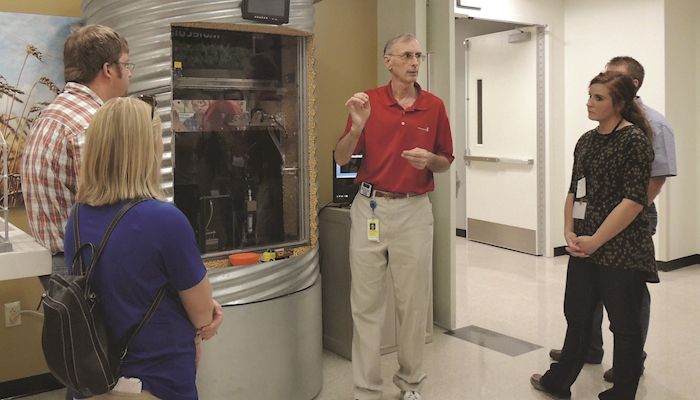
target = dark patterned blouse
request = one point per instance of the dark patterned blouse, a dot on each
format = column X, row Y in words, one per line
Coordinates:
column 616, row 166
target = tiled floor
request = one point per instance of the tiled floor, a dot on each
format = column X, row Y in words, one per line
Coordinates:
column 521, row 296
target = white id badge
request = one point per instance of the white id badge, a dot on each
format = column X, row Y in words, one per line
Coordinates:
column 581, row 188
column 579, row 210
column 373, row 230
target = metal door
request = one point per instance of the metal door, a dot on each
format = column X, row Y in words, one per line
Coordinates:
column 504, row 155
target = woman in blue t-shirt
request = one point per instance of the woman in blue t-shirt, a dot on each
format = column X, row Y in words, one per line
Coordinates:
column 152, row 246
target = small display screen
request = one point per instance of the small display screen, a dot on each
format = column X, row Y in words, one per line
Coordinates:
column 350, row 169
column 267, row 11
column 267, row 7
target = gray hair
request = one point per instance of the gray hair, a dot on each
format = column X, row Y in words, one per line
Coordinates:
column 404, row 37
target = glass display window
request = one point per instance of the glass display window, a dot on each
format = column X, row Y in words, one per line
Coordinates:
column 239, row 123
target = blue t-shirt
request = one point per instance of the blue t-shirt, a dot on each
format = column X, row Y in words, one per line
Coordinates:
column 152, row 246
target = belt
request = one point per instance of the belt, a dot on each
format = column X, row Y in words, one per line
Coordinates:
column 393, row 195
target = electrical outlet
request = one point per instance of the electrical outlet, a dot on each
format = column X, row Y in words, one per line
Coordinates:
column 12, row 315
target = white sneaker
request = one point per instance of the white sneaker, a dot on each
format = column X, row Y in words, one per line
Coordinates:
column 411, row 395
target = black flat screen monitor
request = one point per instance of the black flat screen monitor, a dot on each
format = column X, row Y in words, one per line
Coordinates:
column 344, row 187
column 266, row 11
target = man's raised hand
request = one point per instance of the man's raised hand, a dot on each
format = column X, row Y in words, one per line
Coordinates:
column 359, row 108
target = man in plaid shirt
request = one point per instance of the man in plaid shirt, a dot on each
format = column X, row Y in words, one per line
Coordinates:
column 96, row 69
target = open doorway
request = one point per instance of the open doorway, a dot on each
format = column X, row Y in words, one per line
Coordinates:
column 499, row 133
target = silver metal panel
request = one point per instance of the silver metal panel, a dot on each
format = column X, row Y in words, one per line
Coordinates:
column 506, row 236
column 146, row 25
column 541, row 150
column 269, row 350
column 224, row 83
column 265, row 281
column 499, row 159
column 493, row 340
column 304, row 148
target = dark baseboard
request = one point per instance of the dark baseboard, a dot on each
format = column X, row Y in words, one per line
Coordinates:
column 560, row 251
column 678, row 263
column 29, row 385
column 462, row 232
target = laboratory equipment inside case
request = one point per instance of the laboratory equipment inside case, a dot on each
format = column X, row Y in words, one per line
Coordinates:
column 238, row 107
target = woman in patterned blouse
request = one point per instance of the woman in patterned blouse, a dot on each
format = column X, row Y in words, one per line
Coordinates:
column 612, row 253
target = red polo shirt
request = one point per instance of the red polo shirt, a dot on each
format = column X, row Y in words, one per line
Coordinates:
column 392, row 129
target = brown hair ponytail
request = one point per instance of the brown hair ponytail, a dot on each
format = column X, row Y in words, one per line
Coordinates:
column 622, row 93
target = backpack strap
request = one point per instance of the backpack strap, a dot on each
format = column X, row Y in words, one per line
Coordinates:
column 96, row 256
column 77, row 265
column 76, row 240
column 149, row 313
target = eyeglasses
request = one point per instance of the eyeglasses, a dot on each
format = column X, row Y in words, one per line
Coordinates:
column 151, row 101
column 128, row 65
column 408, row 56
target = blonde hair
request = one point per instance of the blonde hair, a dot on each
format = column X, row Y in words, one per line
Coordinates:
column 122, row 154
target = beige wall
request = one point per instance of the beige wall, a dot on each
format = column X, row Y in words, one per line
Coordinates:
column 67, row 8
column 397, row 17
column 666, row 47
column 439, row 44
column 20, row 346
column 588, row 48
column 679, row 235
column 697, row 127
column 345, row 37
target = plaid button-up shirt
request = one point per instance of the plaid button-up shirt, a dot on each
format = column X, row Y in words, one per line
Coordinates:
column 51, row 162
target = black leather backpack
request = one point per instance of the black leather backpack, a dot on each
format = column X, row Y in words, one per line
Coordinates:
column 74, row 339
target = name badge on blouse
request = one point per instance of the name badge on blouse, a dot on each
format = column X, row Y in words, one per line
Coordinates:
column 581, row 188
column 579, row 210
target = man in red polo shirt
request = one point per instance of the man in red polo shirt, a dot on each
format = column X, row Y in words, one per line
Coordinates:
column 404, row 134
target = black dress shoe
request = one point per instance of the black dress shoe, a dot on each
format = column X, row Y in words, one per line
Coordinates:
column 609, row 375
column 555, row 354
column 536, row 382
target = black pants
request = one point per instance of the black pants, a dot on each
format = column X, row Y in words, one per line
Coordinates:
column 596, row 348
column 621, row 291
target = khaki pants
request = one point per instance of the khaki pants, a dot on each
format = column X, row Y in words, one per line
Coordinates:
column 405, row 250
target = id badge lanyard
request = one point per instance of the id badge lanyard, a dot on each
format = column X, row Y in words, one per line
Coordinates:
column 580, row 202
column 580, row 199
